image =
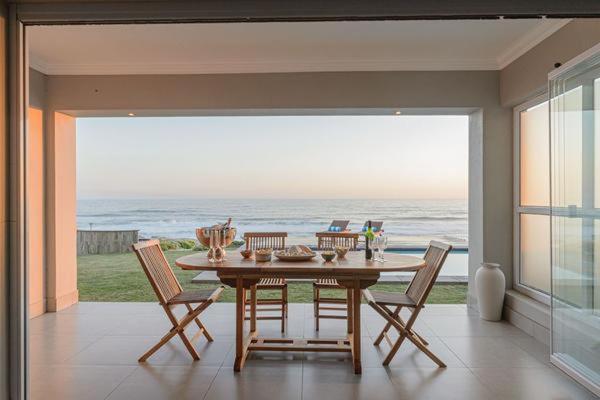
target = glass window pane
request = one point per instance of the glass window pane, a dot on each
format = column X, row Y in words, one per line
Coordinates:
column 567, row 260
column 597, row 142
column 535, row 157
column 535, row 251
column 596, row 281
column 575, row 231
column 567, row 149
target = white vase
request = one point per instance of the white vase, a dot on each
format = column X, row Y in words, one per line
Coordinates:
column 490, row 287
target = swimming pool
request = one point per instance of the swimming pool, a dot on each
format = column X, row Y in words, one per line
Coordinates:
column 457, row 262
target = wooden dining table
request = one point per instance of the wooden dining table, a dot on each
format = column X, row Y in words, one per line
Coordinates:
column 353, row 272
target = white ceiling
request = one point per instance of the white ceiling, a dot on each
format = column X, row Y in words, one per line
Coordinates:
column 284, row 47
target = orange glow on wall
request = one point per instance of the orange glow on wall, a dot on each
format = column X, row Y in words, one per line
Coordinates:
column 35, row 210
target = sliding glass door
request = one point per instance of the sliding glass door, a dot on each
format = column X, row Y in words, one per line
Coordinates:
column 575, row 217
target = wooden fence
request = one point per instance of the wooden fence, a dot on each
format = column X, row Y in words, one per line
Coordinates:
column 105, row 242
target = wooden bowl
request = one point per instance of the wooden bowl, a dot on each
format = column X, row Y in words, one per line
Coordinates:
column 203, row 235
column 341, row 251
column 328, row 256
column 246, row 253
column 263, row 255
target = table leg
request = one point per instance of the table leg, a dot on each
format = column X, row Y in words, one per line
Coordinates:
column 253, row 301
column 240, row 311
column 356, row 334
column 349, row 307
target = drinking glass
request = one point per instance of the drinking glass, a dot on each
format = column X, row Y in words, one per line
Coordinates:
column 381, row 246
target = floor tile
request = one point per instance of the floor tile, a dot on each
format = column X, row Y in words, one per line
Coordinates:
column 125, row 350
column 57, row 349
column 438, row 383
column 409, row 356
column 539, row 350
column 339, row 383
column 77, row 383
column 153, row 382
column 90, row 351
column 265, row 382
column 531, row 383
column 490, row 352
column 457, row 325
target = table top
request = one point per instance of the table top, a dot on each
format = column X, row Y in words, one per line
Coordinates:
column 353, row 263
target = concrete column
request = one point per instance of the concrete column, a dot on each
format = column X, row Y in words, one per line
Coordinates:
column 35, row 211
column 61, row 211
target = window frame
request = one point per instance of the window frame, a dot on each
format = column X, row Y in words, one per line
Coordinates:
column 519, row 210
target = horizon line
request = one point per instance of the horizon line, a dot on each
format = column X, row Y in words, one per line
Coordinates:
column 263, row 198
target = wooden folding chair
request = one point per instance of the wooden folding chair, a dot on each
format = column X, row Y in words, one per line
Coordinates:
column 328, row 240
column 170, row 294
column 414, row 299
column 275, row 241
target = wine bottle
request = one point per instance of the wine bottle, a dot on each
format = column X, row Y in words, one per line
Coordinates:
column 368, row 236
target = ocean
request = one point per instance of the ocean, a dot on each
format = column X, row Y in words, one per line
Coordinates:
column 406, row 222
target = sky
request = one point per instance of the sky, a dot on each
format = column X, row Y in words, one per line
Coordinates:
column 398, row 157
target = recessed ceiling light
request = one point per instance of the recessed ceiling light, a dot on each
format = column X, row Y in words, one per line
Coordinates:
column 398, row 112
column 131, row 114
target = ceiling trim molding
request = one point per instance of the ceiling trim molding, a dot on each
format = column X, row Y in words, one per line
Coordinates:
column 529, row 41
column 240, row 66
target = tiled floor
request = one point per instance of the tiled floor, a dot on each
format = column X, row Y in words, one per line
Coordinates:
column 90, row 351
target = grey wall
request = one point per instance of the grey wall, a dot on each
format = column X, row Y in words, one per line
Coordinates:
column 37, row 89
column 490, row 217
column 527, row 76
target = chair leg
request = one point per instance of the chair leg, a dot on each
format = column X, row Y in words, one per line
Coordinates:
column 178, row 329
column 427, row 352
column 314, row 301
column 283, row 307
column 285, row 300
column 406, row 331
column 189, row 346
column 387, row 327
column 317, row 308
column 165, row 339
column 394, row 349
column 201, row 326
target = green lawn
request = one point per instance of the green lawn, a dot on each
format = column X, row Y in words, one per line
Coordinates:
column 119, row 277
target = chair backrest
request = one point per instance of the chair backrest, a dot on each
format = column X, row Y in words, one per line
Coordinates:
column 328, row 240
column 423, row 281
column 157, row 269
column 338, row 225
column 375, row 225
column 265, row 240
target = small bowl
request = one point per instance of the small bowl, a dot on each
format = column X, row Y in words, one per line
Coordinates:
column 246, row 253
column 263, row 255
column 328, row 256
column 341, row 251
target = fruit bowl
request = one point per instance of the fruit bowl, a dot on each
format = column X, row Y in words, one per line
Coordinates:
column 263, row 255
column 341, row 251
column 295, row 253
column 203, row 235
column 328, row 256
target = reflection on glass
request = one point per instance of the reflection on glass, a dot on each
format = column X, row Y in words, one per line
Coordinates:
column 596, row 119
column 567, row 148
column 596, row 267
column 535, row 251
column 575, row 169
column 534, row 156
column 567, row 260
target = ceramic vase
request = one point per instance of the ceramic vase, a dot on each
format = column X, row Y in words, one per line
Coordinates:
column 490, row 287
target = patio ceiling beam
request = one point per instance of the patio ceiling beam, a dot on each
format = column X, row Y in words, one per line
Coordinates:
column 111, row 11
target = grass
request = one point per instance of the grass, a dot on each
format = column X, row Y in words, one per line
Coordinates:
column 119, row 277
